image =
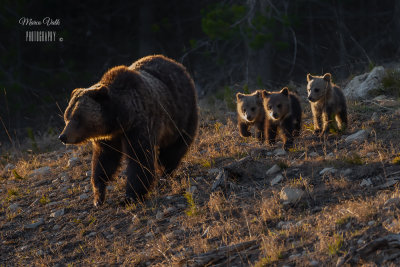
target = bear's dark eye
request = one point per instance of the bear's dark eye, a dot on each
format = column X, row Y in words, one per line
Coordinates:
column 253, row 109
column 316, row 90
column 244, row 110
column 279, row 105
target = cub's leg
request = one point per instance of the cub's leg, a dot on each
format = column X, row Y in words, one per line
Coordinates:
column 260, row 131
column 105, row 161
column 287, row 132
column 244, row 129
column 317, row 118
column 270, row 131
column 341, row 119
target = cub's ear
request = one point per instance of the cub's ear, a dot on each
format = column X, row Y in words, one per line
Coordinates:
column 259, row 94
column 285, row 91
column 239, row 96
column 327, row 77
column 309, row 77
column 265, row 94
column 74, row 91
column 99, row 93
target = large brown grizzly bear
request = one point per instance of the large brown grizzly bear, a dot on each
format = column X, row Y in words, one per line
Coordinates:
column 146, row 112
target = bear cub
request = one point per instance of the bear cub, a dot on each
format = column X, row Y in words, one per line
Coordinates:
column 327, row 104
column 146, row 112
column 250, row 113
column 282, row 112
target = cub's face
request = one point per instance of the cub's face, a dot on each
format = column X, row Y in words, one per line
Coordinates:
column 83, row 116
column 317, row 86
column 249, row 107
column 276, row 105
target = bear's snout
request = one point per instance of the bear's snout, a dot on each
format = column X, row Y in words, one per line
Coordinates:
column 63, row 138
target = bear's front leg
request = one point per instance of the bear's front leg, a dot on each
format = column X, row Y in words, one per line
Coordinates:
column 244, row 129
column 141, row 171
column 287, row 128
column 260, row 131
column 270, row 131
column 317, row 117
column 105, row 161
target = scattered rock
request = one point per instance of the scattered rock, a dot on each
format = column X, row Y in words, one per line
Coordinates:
column 370, row 223
column 392, row 201
column 88, row 173
column 375, row 117
column 91, row 234
column 357, row 137
column 35, row 225
column 284, row 225
column 43, row 171
column 347, row 172
column 328, row 171
column 110, row 187
column 64, row 189
column 389, row 183
column 149, row 235
column 213, row 171
column 54, row 181
column 192, row 189
column 173, row 219
column 169, row 210
column 258, row 153
column 83, row 196
column 314, row 263
column 274, row 169
column 57, row 213
column 279, row 152
column 277, row 179
column 366, row 182
column 64, row 177
column 361, row 85
column 291, row 195
column 72, row 162
column 313, row 154
column 159, row 215
column 40, row 252
column 9, row 167
column 86, row 188
column 294, row 256
column 56, row 227
column 13, row 207
column 54, row 203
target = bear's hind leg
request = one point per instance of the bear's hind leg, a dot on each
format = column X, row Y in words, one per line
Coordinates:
column 140, row 156
column 341, row 119
column 105, row 161
column 171, row 156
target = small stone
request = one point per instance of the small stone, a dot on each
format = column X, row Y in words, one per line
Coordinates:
column 65, row 177
column 86, row 188
column 110, row 187
column 347, row 172
column 34, row 225
column 199, row 179
column 9, row 167
column 370, row 223
column 284, row 225
column 328, row 171
column 54, row 203
column 213, row 171
column 392, row 201
column 72, row 162
column 149, row 235
column 54, row 181
column 57, row 213
column 388, row 184
column 360, row 241
column 181, row 206
column 83, row 196
column 366, row 182
column 40, row 252
column 280, row 152
column 56, row 227
column 273, row 170
column 110, row 236
column 294, row 256
column 43, row 171
column 88, row 173
column 173, row 219
column 64, row 189
column 277, row 179
column 13, row 207
column 375, row 117
column 159, row 215
column 169, row 210
column 359, row 136
column 291, row 195
column 314, row 263
column 192, row 189
column 313, row 155
column 22, row 248
column 91, row 234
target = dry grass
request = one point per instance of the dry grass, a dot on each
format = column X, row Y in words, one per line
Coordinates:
column 183, row 220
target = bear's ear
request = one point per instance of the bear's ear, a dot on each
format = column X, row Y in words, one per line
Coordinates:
column 74, row 91
column 99, row 94
column 239, row 96
column 327, row 77
column 285, row 91
column 265, row 94
column 259, row 94
column 309, row 77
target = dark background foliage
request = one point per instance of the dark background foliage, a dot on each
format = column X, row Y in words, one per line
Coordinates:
column 250, row 44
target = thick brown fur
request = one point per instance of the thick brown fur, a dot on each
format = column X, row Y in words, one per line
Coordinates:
column 146, row 112
column 250, row 113
column 282, row 112
column 327, row 104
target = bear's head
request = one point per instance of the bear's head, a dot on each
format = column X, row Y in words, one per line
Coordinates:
column 317, row 86
column 88, row 115
column 249, row 106
column 276, row 104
